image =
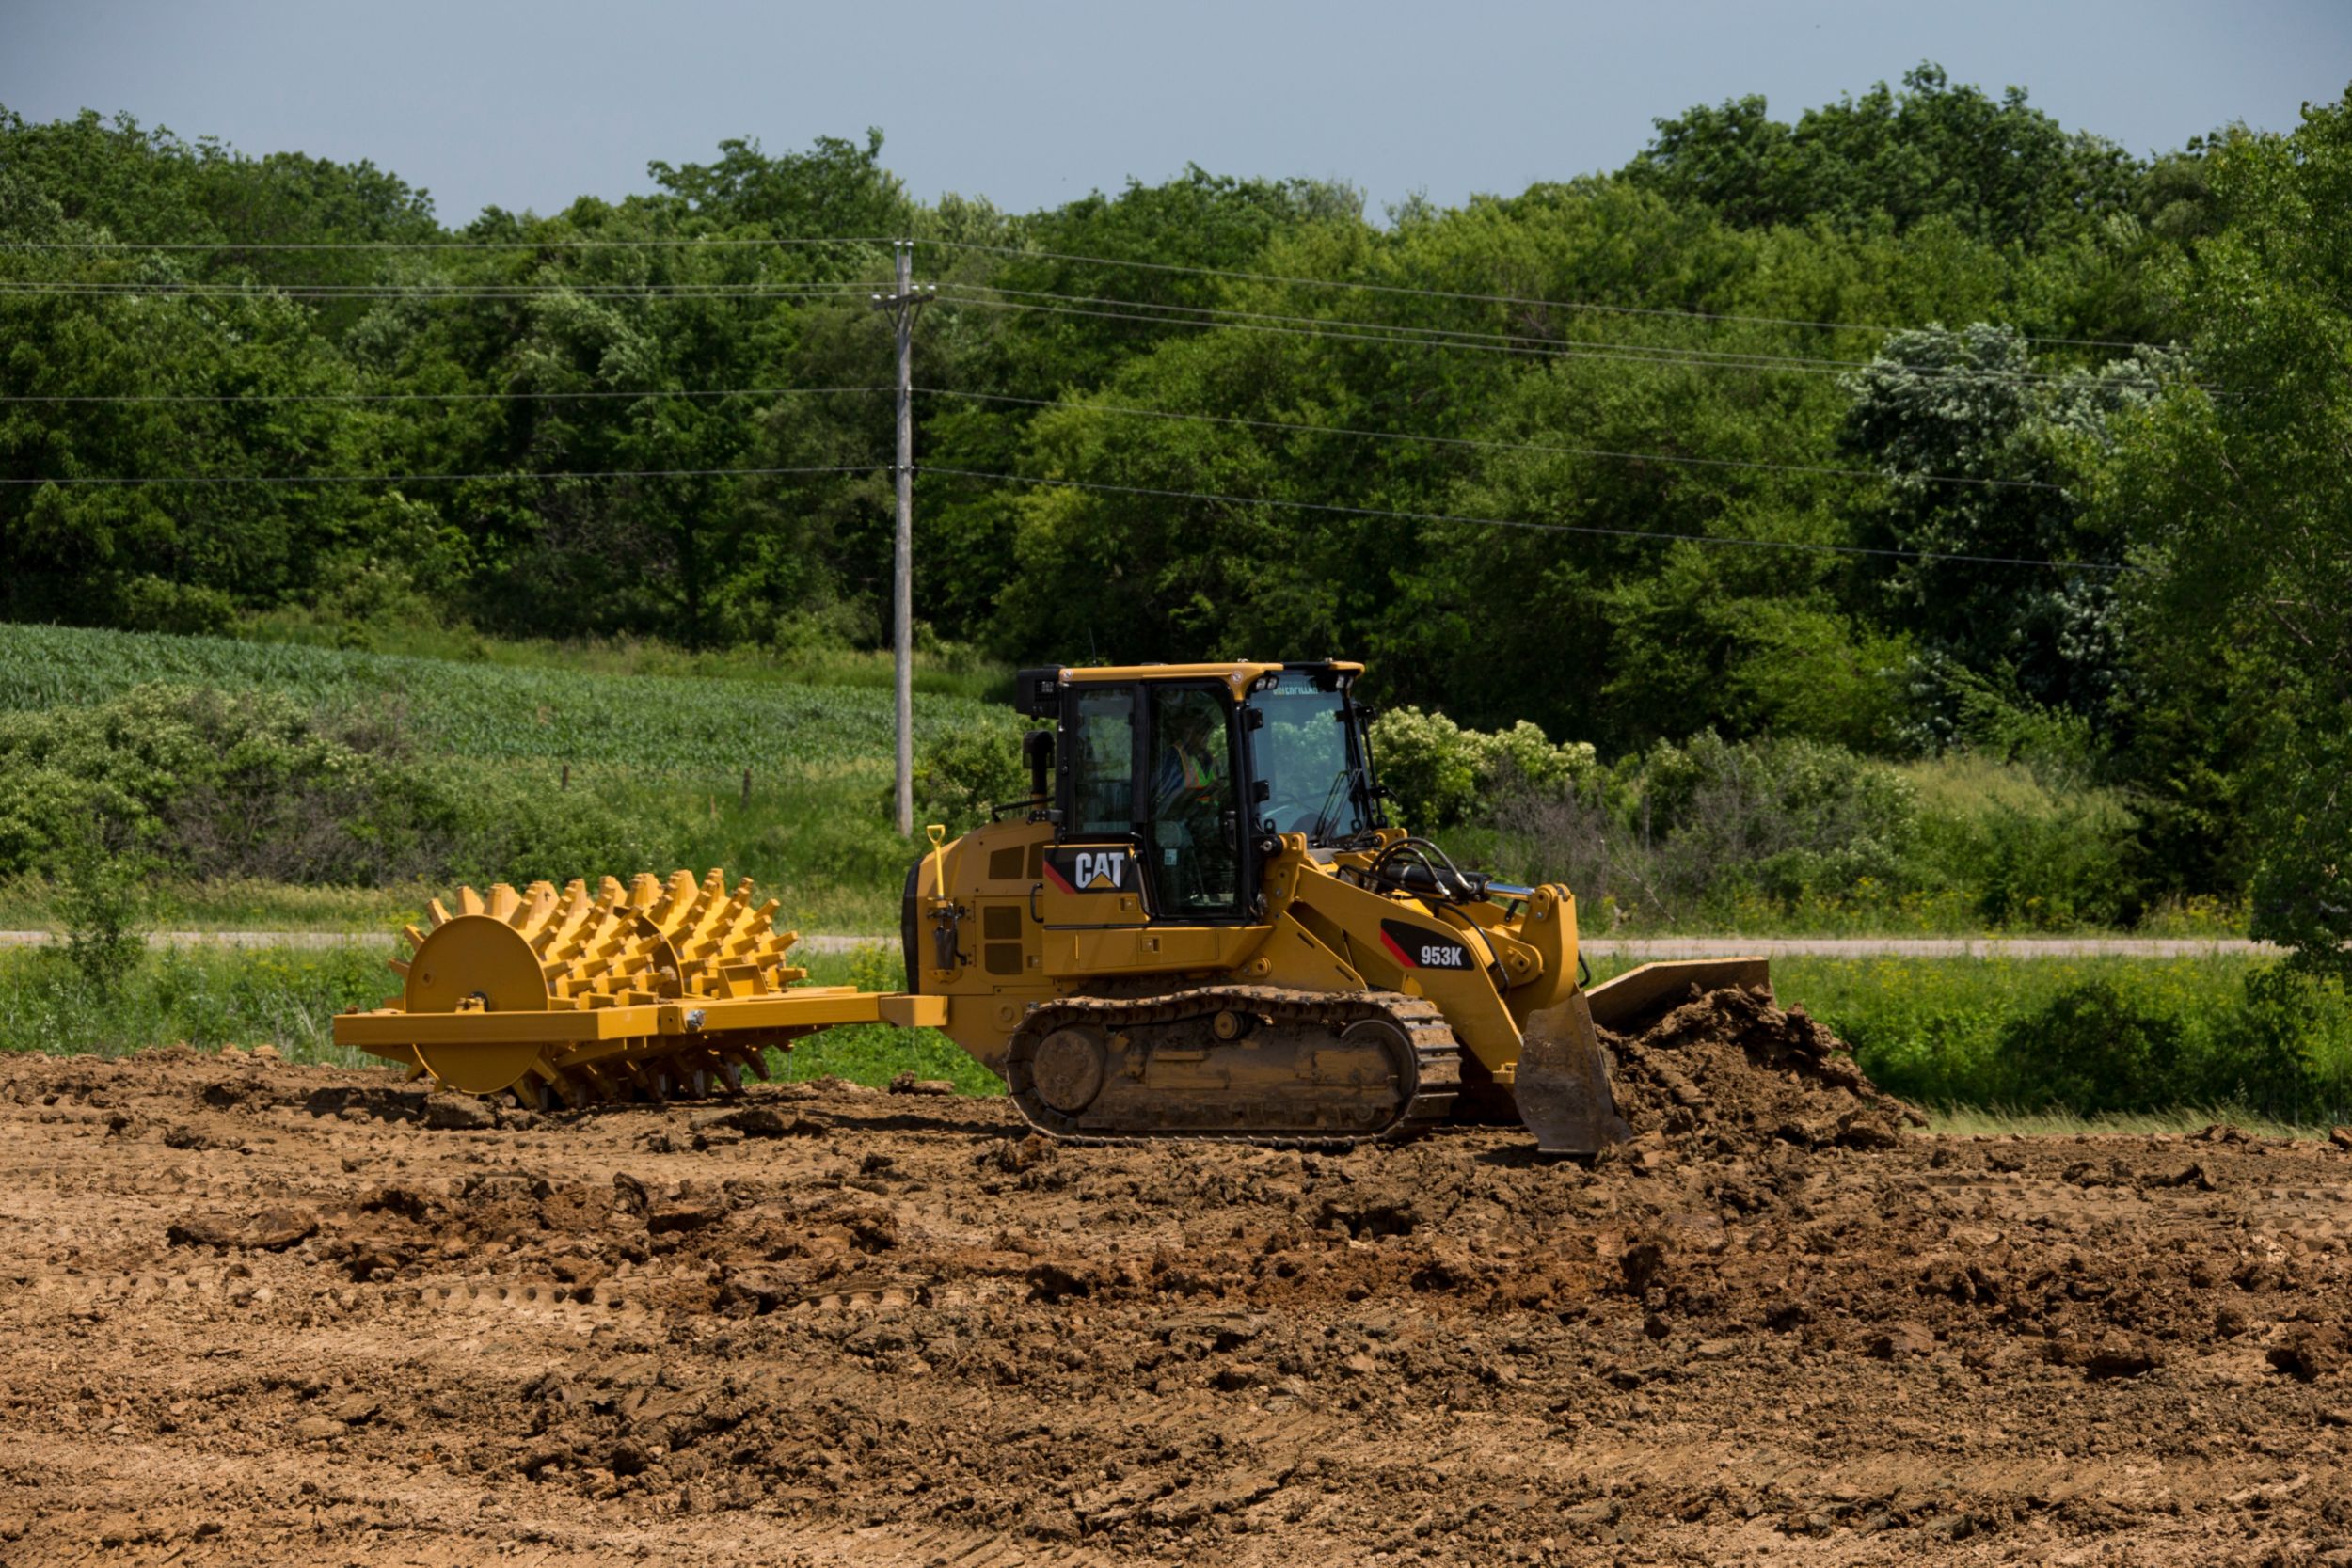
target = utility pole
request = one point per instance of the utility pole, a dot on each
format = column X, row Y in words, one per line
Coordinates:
column 902, row 304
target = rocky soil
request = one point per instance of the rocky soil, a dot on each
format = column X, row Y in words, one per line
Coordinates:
column 252, row 1313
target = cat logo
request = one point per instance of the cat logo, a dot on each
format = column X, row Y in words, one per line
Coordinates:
column 1418, row 947
column 1103, row 870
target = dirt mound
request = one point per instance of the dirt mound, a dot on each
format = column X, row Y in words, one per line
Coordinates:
column 1729, row 1071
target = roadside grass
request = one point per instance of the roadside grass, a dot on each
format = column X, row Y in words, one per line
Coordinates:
column 32, row 902
column 2037, row 1047
column 873, row 1055
column 285, row 998
column 2089, row 1035
column 1993, row 1122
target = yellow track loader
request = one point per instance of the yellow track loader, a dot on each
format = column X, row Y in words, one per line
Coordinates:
column 1198, row 923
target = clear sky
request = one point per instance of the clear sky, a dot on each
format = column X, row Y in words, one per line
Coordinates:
column 527, row 103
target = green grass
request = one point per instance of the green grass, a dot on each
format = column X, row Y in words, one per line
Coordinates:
column 2144, row 1034
column 1966, row 1120
column 948, row 670
column 873, row 1055
column 285, row 998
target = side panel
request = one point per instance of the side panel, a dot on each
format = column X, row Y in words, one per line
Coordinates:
column 1091, row 885
column 1074, row 956
column 993, row 874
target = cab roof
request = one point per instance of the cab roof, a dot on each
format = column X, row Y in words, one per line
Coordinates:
column 1238, row 677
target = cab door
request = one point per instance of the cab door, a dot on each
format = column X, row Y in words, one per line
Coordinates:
column 1195, row 852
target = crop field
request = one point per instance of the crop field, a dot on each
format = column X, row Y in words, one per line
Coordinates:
column 496, row 713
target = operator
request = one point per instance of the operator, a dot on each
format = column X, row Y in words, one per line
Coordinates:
column 1192, row 769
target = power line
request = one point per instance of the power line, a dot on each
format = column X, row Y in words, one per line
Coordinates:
column 1468, row 337
column 1544, row 448
column 1342, row 329
column 643, row 394
column 635, row 394
column 137, row 481
column 432, row 291
column 1591, row 305
column 1016, row 252
column 1538, row 526
column 134, row 246
column 1399, row 336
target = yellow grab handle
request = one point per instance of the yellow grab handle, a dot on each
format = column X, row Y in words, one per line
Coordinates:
column 938, row 835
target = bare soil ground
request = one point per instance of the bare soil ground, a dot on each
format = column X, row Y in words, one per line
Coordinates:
column 255, row 1313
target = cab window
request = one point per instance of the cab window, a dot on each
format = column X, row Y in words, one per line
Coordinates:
column 1304, row 753
column 1193, row 827
column 1102, row 763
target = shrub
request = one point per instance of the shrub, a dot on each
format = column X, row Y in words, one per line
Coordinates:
column 102, row 899
column 2089, row 1051
column 960, row 773
column 1441, row 775
column 212, row 784
column 1790, row 819
column 181, row 608
column 1702, row 827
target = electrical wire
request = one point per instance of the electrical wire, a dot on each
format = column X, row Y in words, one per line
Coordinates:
column 428, row 397
column 1543, row 448
column 435, row 291
column 1733, row 540
column 134, row 246
column 1287, row 426
column 1016, row 252
column 1212, row 315
column 140, row 483
column 1021, row 253
column 1561, row 351
column 641, row 394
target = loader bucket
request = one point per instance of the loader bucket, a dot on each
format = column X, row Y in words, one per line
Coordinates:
column 1562, row 1083
column 1620, row 1003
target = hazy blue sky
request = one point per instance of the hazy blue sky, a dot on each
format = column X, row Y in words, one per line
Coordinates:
column 531, row 103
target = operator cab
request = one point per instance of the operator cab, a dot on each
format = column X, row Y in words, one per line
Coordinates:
column 1196, row 770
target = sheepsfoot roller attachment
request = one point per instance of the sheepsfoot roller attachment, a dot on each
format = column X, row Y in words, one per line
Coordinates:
column 644, row 993
column 1563, row 1080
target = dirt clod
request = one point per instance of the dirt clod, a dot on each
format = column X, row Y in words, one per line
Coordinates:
column 458, row 1112
column 906, row 1082
column 269, row 1230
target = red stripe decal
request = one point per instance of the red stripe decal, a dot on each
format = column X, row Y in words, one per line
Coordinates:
column 1397, row 952
column 1053, row 874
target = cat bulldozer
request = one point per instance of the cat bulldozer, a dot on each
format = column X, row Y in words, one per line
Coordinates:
column 1198, row 924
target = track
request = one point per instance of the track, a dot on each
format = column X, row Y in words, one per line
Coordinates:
column 258, row 1314
column 1258, row 1102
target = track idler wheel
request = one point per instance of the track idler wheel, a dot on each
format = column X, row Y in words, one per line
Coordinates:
column 1067, row 1070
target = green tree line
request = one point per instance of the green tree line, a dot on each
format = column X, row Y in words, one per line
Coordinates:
column 1918, row 420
